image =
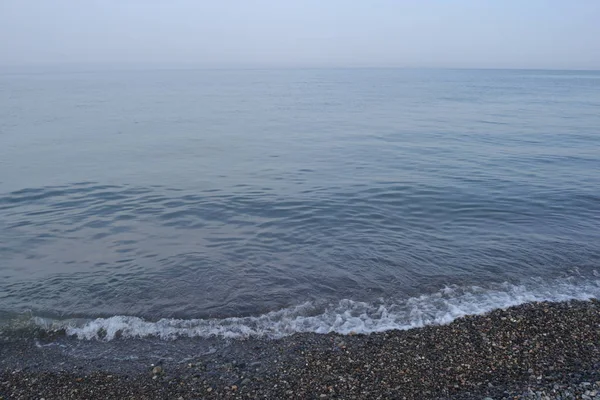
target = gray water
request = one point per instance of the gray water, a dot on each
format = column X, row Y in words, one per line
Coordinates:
column 380, row 196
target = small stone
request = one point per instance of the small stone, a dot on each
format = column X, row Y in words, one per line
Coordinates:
column 209, row 389
column 246, row 381
column 234, row 387
column 157, row 370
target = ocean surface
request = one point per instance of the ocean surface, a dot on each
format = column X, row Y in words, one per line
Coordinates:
column 235, row 203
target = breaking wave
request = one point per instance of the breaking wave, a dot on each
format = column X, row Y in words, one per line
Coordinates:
column 345, row 317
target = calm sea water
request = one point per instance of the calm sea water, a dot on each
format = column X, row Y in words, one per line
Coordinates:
column 300, row 200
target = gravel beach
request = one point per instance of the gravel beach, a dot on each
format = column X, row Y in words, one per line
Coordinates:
column 532, row 351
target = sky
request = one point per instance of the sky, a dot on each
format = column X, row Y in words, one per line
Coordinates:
column 555, row 34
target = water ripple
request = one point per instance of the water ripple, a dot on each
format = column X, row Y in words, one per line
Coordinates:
column 228, row 253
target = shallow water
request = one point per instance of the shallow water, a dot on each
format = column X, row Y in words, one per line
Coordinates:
column 286, row 195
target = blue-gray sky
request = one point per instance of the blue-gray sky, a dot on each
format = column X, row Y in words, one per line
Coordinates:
column 303, row 33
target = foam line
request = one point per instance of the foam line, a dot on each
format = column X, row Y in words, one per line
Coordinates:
column 344, row 317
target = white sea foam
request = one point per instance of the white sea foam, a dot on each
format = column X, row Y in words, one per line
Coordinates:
column 344, row 317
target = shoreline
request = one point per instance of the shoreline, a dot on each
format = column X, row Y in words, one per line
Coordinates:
column 550, row 348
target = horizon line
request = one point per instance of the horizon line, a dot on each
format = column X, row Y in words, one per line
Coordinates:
column 191, row 66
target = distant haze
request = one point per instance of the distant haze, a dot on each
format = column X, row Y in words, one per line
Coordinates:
column 302, row 33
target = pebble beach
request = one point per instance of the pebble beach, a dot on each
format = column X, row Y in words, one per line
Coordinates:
column 532, row 351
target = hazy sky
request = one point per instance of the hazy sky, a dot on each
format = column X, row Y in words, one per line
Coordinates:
column 262, row 33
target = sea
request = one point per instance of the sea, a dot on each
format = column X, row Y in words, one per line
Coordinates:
column 226, row 204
